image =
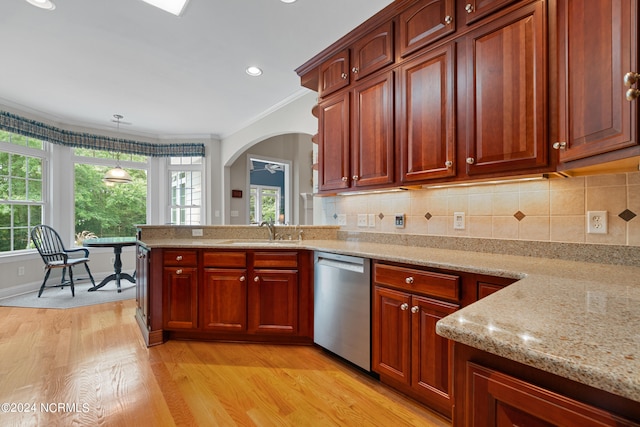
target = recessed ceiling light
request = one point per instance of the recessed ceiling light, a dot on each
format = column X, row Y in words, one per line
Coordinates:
column 172, row 6
column 253, row 71
column 43, row 4
column 287, row 1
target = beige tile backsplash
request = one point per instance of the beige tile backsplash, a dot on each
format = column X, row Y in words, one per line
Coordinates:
column 551, row 210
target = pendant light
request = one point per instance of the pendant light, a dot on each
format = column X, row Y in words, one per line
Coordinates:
column 117, row 175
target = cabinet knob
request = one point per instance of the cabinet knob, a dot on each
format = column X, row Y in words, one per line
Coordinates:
column 355, row 177
column 140, row 256
column 355, row 70
column 448, row 19
column 409, row 280
column 469, row 8
column 344, row 76
column 633, row 94
column 179, row 271
column 448, row 163
column 242, row 278
column 256, row 279
column 559, row 145
column 404, row 306
column 415, row 309
column 470, row 160
column 179, row 258
column 345, row 179
column 631, row 78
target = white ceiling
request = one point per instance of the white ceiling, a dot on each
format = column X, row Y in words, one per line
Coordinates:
column 168, row 76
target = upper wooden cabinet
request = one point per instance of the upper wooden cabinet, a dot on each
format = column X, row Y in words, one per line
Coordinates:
column 597, row 46
column 506, row 94
column 425, row 22
column 334, row 159
column 373, row 51
column 334, row 73
column 367, row 55
column 426, row 116
column 476, row 9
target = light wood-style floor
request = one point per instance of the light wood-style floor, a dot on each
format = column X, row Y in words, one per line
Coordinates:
column 89, row 367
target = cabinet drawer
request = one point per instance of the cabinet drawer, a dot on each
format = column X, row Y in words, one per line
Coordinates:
column 424, row 282
column 178, row 257
column 224, row 259
column 275, row 259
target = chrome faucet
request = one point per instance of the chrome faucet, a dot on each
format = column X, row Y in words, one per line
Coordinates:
column 272, row 228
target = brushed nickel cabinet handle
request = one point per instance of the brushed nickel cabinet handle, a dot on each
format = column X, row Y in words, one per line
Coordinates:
column 448, row 163
column 559, row 145
column 256, row 279
column 179, row 271
column 242, row 278
column 355, row 70
column 469, row 8
column 404, row 306
column 415, row 309
column 409, row 280
column 470, row 160
column 448, row 19
column 345, row 179
column 344, row 76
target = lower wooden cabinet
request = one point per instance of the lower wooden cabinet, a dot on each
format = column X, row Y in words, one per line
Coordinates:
column 224, row 302
column 273, row 302
column 181, row 288
column 496, row 399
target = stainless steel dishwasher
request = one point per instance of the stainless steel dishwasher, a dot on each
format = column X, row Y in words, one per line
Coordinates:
column 342, row 306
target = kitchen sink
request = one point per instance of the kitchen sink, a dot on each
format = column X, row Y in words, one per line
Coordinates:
column 258, row 242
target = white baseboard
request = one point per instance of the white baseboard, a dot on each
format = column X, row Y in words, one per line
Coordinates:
column 24, row 288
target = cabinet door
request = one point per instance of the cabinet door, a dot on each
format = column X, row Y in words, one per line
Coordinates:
column 391, row 338
column 424, row 23
column 431, row 371
column 372, row 142
column 334, row 73
column 333, row 146
column 496, row 400
column 476, row 9
column 373, row 51
column 273, row 302
column 224, row 300
column 426, row 117
column 598, row 45
column 506, row 94
column 181, row 297
column 142, row 283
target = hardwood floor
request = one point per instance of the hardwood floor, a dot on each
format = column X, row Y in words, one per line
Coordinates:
column 89, row 367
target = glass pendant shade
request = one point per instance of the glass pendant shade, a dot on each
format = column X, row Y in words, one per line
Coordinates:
column 117, row 175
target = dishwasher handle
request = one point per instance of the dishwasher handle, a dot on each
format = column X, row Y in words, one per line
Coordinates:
column 341, row 262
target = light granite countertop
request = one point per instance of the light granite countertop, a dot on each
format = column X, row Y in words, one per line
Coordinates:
column 578, row 320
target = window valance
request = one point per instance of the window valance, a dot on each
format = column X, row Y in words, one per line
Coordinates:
column 33, row 129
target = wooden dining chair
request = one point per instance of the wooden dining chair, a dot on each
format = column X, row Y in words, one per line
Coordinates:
column 54, row 255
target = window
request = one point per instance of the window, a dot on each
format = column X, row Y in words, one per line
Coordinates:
column 21, row 189
column 109, row 210
column 264, row 202
column 186, row 190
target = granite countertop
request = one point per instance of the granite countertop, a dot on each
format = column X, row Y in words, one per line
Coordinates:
column 578, row 320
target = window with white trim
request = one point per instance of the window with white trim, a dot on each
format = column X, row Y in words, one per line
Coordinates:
column 22, row 204
column 186, row 186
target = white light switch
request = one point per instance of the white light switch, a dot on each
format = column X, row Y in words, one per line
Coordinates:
column 342, row 219
column 196, row 232
column 362, row 220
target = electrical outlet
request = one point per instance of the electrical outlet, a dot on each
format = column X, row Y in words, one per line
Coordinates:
column 458, row 221
column 362, row 220
column 372, row 220
column 196, row 232
column 342, row 219
column 597, row 222
column 400, row 220
column 21, row 271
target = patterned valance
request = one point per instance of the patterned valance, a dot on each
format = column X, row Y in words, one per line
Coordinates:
column 33, row 129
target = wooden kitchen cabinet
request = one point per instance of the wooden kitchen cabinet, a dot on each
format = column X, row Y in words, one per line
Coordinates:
column 143, row 305
column 224, row 293
column 334, row 73
column 477, row 9
column 425, row 22
column 406, row 351
column 373, row 51
column 273, row 294
column 597, row 46
column 356, row 147
column 426, row 119
column 504, row 65
column 180, row 283
column 492, row 391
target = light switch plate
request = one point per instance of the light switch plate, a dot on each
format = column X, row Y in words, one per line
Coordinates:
column 362, row 220
column 372, row 220
column 458, row 221
column 196, row 232
column 342, row 219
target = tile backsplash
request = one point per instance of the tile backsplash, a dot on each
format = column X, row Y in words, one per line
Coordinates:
column 550, row 210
